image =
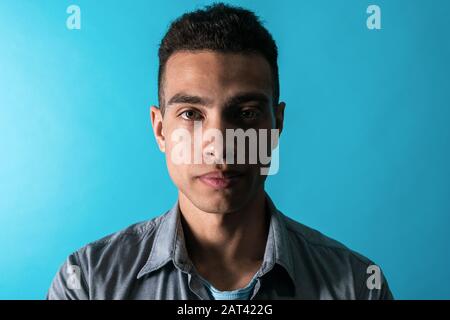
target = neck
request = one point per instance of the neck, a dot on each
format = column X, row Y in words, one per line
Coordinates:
column 231, row 237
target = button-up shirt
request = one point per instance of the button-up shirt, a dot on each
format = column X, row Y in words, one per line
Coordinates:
column 149, row 260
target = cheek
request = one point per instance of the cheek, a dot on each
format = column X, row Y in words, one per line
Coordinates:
column 178, row 141
column 179, row 174
column 178, row 170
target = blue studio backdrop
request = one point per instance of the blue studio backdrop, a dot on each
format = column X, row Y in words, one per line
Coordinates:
column 364, row 155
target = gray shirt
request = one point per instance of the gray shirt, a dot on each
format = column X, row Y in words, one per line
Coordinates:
column 149, row 260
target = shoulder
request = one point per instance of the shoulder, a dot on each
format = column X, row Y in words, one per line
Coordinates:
column 101, row 263
column 131, row 235
column 320, row 243
column 126, row 248
column 340, row 271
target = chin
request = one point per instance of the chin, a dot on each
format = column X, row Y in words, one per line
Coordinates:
column 218, row 201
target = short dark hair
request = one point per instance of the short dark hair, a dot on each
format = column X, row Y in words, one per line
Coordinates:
column 223, row 28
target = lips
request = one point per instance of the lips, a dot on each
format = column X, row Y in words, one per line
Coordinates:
column 221, row 179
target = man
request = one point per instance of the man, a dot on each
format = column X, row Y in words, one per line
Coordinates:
column 224, row 237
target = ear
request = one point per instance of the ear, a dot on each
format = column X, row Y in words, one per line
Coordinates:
column 157, row 125
column 279, row 116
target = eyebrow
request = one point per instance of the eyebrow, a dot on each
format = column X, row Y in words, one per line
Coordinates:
column 186, row 98
column 235, row 100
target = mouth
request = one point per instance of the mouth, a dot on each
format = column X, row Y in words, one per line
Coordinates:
column 221, row 179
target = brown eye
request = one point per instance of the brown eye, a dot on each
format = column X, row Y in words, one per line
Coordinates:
column 190, row 115
column 249, row 114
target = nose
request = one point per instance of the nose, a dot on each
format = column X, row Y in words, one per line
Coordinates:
column 214, row 146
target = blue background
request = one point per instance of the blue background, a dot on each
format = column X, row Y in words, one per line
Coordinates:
column 364, row 156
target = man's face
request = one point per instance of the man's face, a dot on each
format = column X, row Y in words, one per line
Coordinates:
column 205, row 90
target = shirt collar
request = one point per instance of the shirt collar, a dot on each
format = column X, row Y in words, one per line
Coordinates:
column 169, row 244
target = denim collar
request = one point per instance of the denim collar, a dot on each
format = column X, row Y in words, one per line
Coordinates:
column 169, row 244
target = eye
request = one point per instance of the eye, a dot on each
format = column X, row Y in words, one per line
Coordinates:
column 249, row 114
column 190, row 115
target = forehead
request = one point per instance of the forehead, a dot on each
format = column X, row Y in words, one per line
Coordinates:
column 216, row 75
